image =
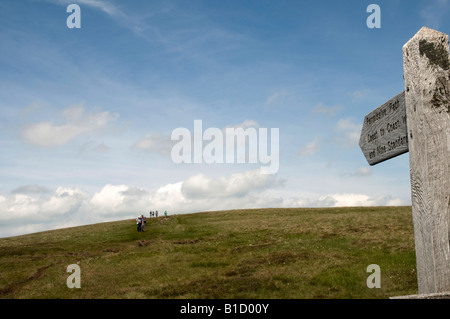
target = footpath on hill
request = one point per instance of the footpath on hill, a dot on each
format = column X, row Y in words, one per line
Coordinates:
column 262, row 253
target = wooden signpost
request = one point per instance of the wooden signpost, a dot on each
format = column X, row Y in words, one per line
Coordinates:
column 384, row 134
column 426, row 135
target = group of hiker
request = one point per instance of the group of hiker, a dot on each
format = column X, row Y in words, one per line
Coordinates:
column 142, row 220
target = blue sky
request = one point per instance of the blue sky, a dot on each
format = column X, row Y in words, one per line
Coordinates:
column 86, row 114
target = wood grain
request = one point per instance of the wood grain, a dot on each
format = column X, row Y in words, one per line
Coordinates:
column 384, row 134
column 426, row 64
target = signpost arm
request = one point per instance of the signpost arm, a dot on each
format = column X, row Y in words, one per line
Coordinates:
column 426, row 65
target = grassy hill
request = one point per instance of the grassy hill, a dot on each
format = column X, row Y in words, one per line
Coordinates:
column 260, row 253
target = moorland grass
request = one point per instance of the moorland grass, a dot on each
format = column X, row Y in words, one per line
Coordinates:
column 259, row 253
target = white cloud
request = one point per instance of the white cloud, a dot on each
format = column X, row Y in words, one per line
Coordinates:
column 49, row 134
column 35, row 208
column 131, row 22
column 244, row 125
column 363, row 171
column 30, row 189
column 237, row 185
column 355, row 200
column 343, row 200
column 397, row 202
column 162, row 144
column 105, row 6
column 34, row 204
column 31, row 108
column 170, row 197
column 38, row 206
column 276, row 98
column 327, row 110
column 66, row 200
column 310, row 149
column 119, row 200
column 196, row 193
column 158, row 143
column 348, row 133
column 73, row 113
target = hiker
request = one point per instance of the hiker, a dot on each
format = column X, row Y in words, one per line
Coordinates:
column 143, row 222
column 139, row 223
column 165, row 213
column 156, row 213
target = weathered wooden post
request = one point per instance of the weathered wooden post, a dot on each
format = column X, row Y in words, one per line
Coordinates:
column 426, row 65
column 425, row 133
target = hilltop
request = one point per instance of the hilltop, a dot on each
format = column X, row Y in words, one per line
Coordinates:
column 260, row 253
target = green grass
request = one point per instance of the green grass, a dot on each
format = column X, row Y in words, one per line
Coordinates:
column 260, row 253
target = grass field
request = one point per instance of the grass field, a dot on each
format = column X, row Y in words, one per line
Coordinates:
column 261, row 253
